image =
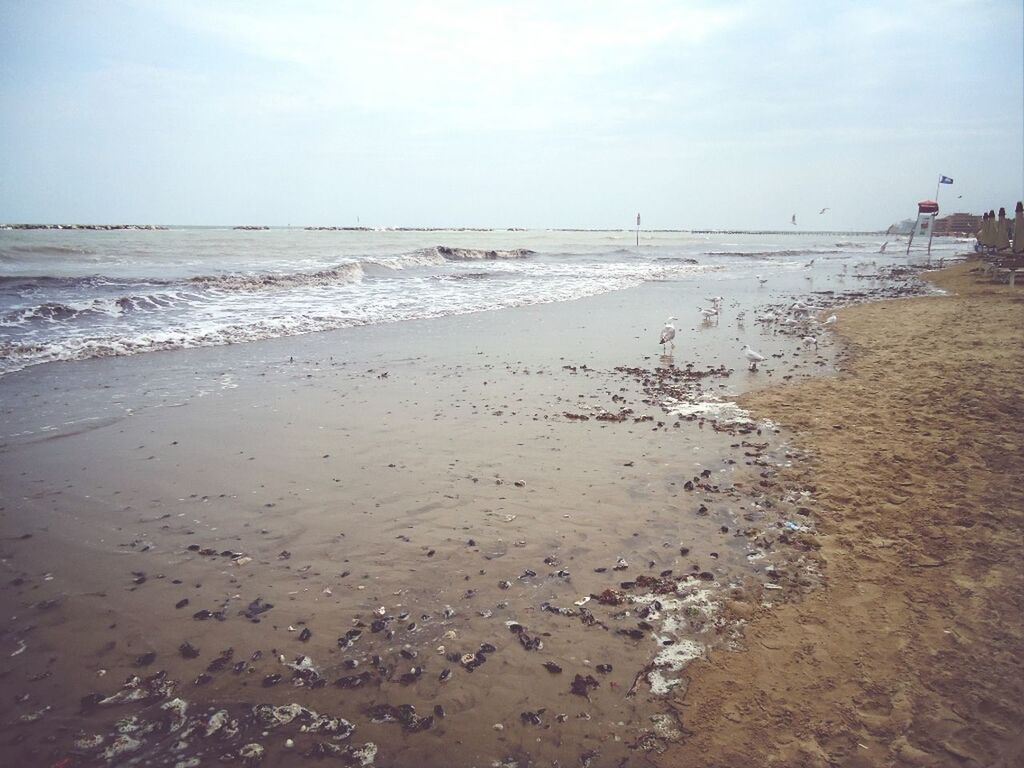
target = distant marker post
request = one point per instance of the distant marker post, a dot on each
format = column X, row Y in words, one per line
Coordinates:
column 638, row 230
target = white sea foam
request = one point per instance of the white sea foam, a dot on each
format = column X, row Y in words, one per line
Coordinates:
column 677, row 647
column 723, row 412
column 67, row 295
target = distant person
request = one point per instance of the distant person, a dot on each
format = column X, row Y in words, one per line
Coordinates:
column 1018, row 229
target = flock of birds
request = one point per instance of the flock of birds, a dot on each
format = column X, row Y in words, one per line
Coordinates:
column 798, row 313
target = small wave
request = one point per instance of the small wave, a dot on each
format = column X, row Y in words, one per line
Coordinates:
column 473, row 254
column 388, row 265
column 49, row 249
column 51, row 311
column 343, row 273
column 479, row 275
column 764, row 254
column 676, row 260
column 20, row 283
column 152, row 302
column 17, row 355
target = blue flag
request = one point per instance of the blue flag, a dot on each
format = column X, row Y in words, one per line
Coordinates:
column 945, row 180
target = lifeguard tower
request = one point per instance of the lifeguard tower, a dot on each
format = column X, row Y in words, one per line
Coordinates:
column 927, row 210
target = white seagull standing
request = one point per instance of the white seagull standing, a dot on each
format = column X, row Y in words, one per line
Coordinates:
column 752, row 356
column 668, row 333
column 830, row 320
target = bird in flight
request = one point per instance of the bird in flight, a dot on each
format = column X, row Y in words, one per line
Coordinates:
column 823, row 210
column 794, row 220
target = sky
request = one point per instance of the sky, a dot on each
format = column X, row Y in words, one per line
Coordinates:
column 509, row 114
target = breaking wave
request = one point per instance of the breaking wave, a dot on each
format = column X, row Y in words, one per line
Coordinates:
column 473, row 254
column 343, row 273
column 20, row 283
column 50, row 311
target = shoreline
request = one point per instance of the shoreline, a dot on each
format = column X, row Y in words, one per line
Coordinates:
column 910, row 654
column 273, row 476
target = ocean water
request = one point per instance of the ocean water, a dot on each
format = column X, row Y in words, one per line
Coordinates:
column 77, row 294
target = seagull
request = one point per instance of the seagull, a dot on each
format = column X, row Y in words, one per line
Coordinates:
column 823, row 210
column 709, row 313
column 831, row 320
column 808, row 340
column 668, row 333
column 761, row 280
column 882, row 249
column 810, row 263
column 794, row 220
column 752, row 356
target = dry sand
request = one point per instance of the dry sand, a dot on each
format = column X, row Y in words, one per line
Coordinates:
column 912, row 654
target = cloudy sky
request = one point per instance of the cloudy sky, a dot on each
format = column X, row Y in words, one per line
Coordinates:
column 534, row 114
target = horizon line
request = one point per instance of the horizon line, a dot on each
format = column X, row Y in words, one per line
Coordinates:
column 34, row 226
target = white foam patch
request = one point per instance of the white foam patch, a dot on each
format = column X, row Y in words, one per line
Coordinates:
column 674, row 614
column 722, row 411
column 366, row 754
column 670, row 661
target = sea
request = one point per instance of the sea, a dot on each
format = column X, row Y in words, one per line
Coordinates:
column 72, row 294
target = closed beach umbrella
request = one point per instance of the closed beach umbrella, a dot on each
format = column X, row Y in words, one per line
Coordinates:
column 991, row 243
column 1002, row 232
column 983, row 230
column 1018, row 229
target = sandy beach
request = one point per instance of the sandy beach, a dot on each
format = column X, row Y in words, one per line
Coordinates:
column 497, row 538
column 500, row 385
column 911, row 653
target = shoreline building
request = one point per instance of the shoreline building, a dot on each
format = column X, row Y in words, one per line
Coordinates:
column 958, row 224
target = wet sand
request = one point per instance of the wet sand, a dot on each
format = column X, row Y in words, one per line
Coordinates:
column 495, row 538
column 912, row 653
